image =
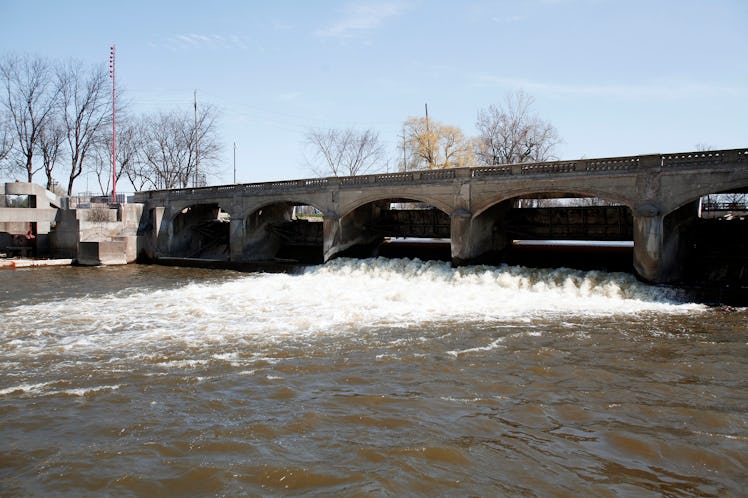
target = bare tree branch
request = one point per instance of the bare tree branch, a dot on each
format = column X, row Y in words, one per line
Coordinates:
column 510, row 134
column 6, row 138
column 346, row 152
column 169, row 149
column 129, row 144
column 86, row 110
column 51, row 138
column 29, row 99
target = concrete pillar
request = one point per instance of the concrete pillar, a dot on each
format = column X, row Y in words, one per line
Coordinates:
column 236, row 238
column 648, row 237
column 163, row 230
column 659, row 242
column 330, row 235
column 66, row 235
column 462, row 248
column 253, row 240
column 341, row 234
column 475, row 238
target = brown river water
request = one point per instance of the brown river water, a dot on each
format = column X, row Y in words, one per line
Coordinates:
column 367, row 378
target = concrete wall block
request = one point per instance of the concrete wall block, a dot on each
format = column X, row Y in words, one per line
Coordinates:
column 131, row 247
column 102, row 253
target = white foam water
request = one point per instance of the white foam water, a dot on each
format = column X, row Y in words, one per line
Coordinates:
column 340, row 297
column 501, row 379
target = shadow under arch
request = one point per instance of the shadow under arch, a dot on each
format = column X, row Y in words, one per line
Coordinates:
column 286, row 231
column 555, row 193
column 708, row 234
column 363, row 200
column 392, row 226
column 578, row 228
column 199, row 231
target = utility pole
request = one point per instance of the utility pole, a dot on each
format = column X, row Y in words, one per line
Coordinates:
column 405, row 161
column 197, row 148
column 234, row 163
column 428, row 139
column 114, row 124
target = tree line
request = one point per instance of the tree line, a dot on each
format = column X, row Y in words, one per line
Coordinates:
column 56, row 120
column 508, row 133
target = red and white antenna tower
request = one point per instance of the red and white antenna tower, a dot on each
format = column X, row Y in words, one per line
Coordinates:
column 114, row 124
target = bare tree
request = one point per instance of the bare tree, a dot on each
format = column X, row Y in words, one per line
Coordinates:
column 344, row 152
column 128, row 157
column 129, row 161
column 6, row 138
column 511, row 134
column 51, row 138
column 166, row 151
column 171, row 146
column 432, row 145
column 100, row 164
column 86, row 110
column 206, row 147
column 30, row 98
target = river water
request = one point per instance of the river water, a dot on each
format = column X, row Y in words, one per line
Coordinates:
column 367, row 378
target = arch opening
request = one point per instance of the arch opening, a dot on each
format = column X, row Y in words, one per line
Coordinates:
column 561, row 230
column 289, row 232
column 201, row 231
column 724, row 205
column 713, row 233
column 396, row 228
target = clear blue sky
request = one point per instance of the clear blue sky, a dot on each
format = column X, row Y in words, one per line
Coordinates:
column 615, row 77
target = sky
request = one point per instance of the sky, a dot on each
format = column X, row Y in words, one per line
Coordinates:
column 614, row 77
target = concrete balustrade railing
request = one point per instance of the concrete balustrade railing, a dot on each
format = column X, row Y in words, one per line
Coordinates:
column 699, row 159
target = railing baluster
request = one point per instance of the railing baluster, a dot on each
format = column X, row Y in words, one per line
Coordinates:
column 698, row 159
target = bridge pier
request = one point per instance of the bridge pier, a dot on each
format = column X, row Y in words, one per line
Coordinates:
column 237, row 234
column 330, row 235
column 659, row 242
column 476, row 237
column 258, row 243
column 354, row 229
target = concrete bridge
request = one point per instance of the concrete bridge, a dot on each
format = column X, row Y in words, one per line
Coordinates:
column 651, row 200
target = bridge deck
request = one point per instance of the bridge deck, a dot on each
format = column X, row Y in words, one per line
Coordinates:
column 606, row 166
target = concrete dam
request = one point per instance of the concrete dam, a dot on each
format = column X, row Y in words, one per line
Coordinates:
column 654, row 202
column 655, row 211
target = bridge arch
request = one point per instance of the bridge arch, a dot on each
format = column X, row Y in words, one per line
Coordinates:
column 488, row 201
column 706, row 234
column 698, row 191
column 362, row 200
column 390, row 225
column 199, row 230
column 547, row 225
column 279, row 230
